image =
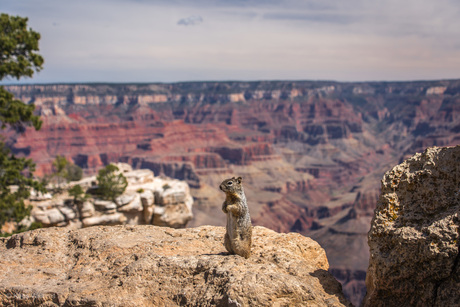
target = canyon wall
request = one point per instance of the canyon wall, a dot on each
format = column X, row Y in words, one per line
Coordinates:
column 311, row 153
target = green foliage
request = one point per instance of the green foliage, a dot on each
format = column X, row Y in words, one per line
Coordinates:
column 166, row 186
column 64, row 171
column 140, row 190
column 59, row 170
column 77, row 193
column 59, row 165
column 111, row 184
column 15, row 113
column 18, row 58
column 74, row 172
column 15, row 182
column 18, row 47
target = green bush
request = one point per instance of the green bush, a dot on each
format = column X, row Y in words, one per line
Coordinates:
column 111, row 184
column 77, row 193
column 74, row 172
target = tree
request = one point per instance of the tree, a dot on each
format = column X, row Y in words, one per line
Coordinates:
column 110, row 182
column 77, row 193
column 60, row 170
column 65, row 171
column 18, row 58
column 18, row 45
column 16, row 180
column 74, row 172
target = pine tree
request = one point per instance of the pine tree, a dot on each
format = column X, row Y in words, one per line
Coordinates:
column 110, row 182
column 18, row 58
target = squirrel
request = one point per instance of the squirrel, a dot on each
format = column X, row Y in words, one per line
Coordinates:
column 238, row 238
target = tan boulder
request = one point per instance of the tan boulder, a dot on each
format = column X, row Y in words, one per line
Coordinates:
column 415, row 233
column 155, row 266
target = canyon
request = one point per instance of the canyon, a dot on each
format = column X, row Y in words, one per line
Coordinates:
column 311, row 153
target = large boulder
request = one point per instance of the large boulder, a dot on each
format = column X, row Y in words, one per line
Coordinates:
column 414, row 237
column 159, row 266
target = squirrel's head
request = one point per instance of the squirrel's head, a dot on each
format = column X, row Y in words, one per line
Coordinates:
column 232, row 185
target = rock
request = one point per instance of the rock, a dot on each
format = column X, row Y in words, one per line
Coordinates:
column 134, row 205
column 139, row 177
column 106, row 219
column 38, row 196
column 137, row 204
column 124, row 199
column 87, row 209
column 175, row 216
column 123, row 167
column 68, row 212
column 49, row 217
column 414, row 237
column 148, row 199
column 154, row 266
column 172, row 192
column 105, row 205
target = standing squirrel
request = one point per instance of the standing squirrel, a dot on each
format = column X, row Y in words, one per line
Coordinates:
column 238, row 237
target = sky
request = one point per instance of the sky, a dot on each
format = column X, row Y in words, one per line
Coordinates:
column 220, row 40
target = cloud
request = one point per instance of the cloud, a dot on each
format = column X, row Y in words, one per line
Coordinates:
column 190, row 21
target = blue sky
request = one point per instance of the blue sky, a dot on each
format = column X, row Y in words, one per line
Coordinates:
column 178, row 40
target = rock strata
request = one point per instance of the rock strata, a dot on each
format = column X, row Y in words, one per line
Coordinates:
column 158, row 266
column 414, row 237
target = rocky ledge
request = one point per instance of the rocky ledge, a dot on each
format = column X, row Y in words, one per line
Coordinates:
column 154, row 266
column 415, row 233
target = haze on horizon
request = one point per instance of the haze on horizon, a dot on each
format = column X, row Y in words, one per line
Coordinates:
column 205, row 40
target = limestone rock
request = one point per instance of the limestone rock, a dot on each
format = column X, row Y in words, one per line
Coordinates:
column 105, row 219
column 37, row 196
column 105, row 205
column 154, row 266
column 49, row 217
column 68, row 212
column 175, row 216
column 124, row 199
column 123, row 167
column 135, row 204
column 87, row 209
column 147, row 199
column 414, row 237
column 140, row 176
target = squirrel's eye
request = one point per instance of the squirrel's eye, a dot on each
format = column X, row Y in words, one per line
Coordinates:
column 229, row 183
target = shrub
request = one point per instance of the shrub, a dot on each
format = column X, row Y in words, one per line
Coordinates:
column 110, row 182
column 74, row 172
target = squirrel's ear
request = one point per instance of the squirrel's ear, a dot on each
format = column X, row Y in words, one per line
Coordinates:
column 239, row 179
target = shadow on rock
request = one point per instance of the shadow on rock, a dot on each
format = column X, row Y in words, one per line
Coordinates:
column 330, row 285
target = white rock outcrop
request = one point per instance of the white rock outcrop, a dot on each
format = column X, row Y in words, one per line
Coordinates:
column 147, row 200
